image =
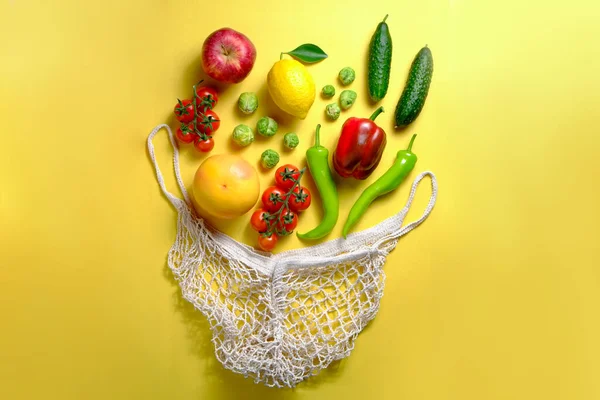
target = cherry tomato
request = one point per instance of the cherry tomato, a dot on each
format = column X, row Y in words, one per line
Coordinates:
column 286, row 175
column 258, row 220
column 184, row 110
column 185, row 133
column 288, row 221
column 267, row 243
column 299, row 199
column 208, row 122
column 273, row 198
column 206, row 98
column 204, row 145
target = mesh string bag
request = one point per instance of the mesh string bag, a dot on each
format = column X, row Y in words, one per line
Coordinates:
column 281, row 318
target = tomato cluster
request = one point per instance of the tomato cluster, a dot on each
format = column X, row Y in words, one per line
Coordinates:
column 280, row 207
column 198, row 120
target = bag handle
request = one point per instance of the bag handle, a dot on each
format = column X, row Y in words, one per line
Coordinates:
column 432, row 199
column 353, row 248
column 159, row 177
column 403, row 230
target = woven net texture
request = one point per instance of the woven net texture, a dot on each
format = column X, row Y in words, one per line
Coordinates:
column 282, row 318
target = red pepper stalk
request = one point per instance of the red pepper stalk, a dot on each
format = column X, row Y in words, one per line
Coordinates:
column 359, row 147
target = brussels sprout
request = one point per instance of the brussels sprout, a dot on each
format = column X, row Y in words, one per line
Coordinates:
column 333, row 111
column 266, row 126
column 347, row 98
column 248, row 102
column 347, row 76
column 328, row 91
column 290, row 140
column 269, row 158
column 243, row 135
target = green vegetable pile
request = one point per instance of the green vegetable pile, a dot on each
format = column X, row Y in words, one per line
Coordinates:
column 407, row 110
column 347, row 97
column 363, row 141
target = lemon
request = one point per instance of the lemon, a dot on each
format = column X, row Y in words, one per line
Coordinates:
column 291, row 87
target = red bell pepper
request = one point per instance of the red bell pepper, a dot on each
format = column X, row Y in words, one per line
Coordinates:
column 359, row 147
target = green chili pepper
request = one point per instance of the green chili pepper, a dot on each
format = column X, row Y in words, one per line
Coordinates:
column 317, row 158
column 389, row 181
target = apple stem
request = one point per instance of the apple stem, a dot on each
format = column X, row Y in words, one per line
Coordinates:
column 281, row 55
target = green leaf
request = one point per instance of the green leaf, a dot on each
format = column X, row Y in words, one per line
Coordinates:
column 308, row 53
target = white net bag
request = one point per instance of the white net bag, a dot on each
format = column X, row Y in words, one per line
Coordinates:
column 281, row 318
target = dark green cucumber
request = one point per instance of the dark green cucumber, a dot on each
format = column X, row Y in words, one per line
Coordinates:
column 415, row 91
column 380, row 61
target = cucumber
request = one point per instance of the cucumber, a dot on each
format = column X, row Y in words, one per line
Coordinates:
column 415, row 91
column 380, row 61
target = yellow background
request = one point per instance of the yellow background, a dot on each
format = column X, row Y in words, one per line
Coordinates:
column 496, row 296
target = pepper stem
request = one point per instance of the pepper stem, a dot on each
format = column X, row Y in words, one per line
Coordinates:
column 412, row 140
column 376, row 113
column 318, row 136
column 385, row 18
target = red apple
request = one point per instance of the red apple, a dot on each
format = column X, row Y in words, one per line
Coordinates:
column 228, row 55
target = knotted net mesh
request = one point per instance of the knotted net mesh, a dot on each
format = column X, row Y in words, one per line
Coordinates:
column 281, row 318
